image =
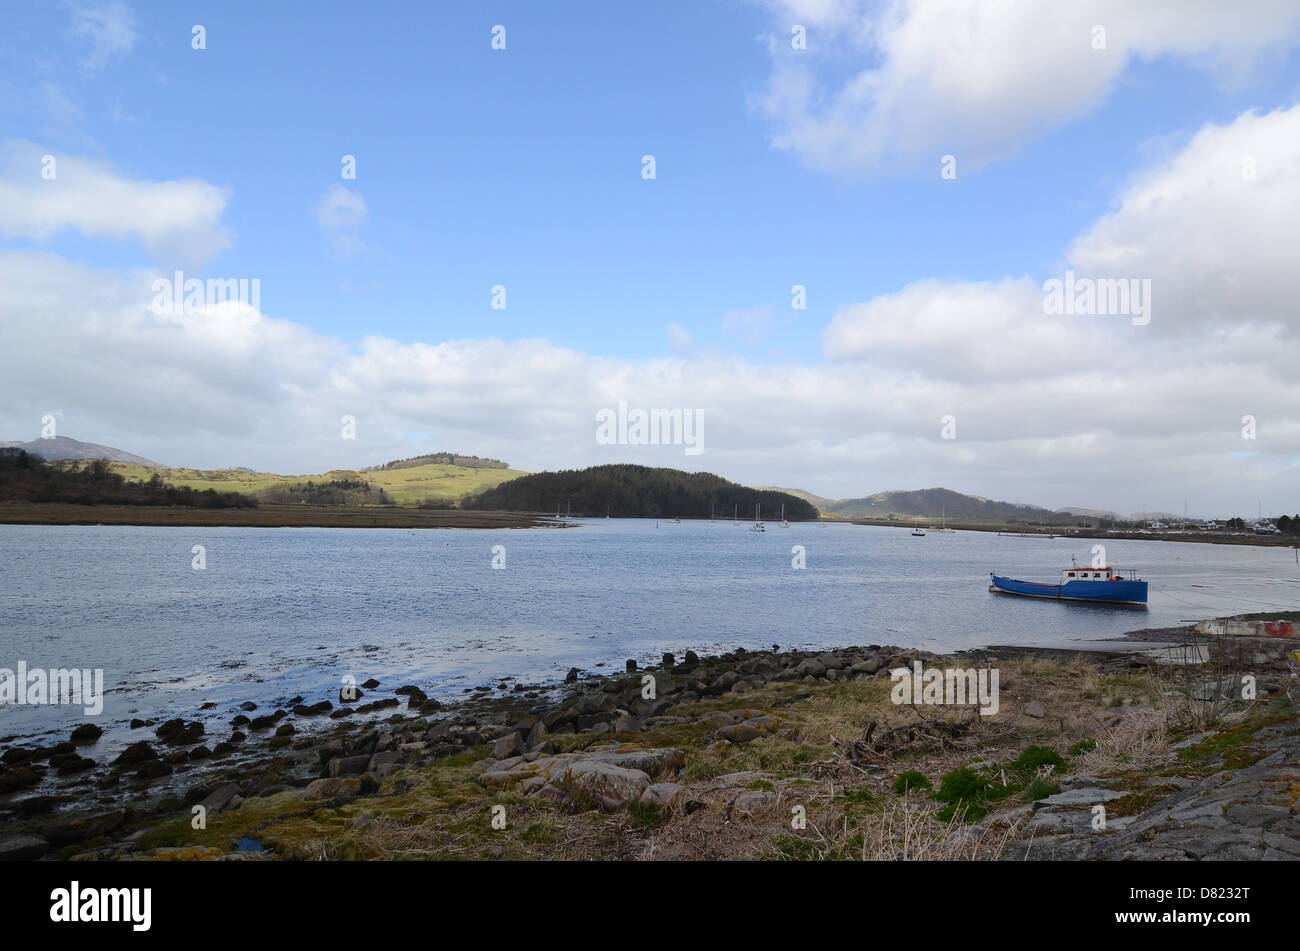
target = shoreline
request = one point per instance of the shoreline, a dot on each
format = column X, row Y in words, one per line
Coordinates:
column 725, row 738
column 1208, row 538
column 264, row 516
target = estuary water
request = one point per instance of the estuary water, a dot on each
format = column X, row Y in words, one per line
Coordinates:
column 280, row 612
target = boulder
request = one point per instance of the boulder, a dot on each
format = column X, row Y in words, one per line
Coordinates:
column 135, row 753
column 509, row 745
column 86, row 733
column 22, row 848
column 661, row 795
column 612, row 787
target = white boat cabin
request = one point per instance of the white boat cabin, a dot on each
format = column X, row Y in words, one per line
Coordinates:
column 1090, row 574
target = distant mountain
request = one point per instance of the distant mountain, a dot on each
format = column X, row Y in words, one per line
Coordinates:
column 823, row 504
column 933, row 503
column 64, row 447
column 1091, row 513
column 638, row 491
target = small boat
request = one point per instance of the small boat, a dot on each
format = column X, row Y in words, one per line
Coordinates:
column 673, row 521
column 1101, row 585
column 918, row 532
column 758, row 525
column 784, row 523
column 735, row 515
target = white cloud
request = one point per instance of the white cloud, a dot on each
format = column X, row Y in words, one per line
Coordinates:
column 1052, row 410
column 898, row 84
column 109, row 28
column 1215, row 227
column 181, row 219
column 342, row 215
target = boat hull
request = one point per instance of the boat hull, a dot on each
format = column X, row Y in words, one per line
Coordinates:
column 1098, row 592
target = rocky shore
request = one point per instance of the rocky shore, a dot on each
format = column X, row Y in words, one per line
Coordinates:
column 773, row 754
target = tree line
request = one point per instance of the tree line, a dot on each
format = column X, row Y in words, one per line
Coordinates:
column 26, row 477
column 629, row 491
column 442, row 459
column 333, row 492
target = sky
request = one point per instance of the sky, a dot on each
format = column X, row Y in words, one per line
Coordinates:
column 826, row 228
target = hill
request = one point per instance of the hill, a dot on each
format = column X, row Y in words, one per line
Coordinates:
column 409, row 485
column 932, row 503
column 65, row 447
column 822, row 504
column 629, row 491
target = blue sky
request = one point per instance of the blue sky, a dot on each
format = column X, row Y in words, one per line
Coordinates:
column 522, row 168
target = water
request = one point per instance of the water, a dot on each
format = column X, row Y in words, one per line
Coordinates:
column 280, row 612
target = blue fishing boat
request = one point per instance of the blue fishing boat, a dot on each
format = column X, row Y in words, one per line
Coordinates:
column 1100, row 585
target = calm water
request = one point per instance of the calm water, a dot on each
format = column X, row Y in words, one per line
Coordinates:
column 279, row 612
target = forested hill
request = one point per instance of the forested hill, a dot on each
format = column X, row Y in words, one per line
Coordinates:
column 626, row 491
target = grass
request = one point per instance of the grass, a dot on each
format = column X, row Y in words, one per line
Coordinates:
column 407, row 487
column 440, row 812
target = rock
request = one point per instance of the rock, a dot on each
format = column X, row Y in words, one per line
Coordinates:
column 348, row 765
column 381, row 764
column 350, row 694
column 572, row 676
column 16, row 754
column 179, row 733
column 509, row 745
column 612, row 787
column 370, row 684
column 340, row 787
column 135, row 753
column 219, row 799
column 86, row 733
column 1087, row 796
column 240, row 720
column 810, row 668
column 691, row 658
column 248, row 705
column 669, row 661
column 76, row 764
column 754, row 799
column 627, row 724
column 661, row 795
column 79, row 828
column 631, row 666
column 1035, row 709
column 751, row 729
column 315, row 710
column 22, row 777
column 153, row 769
column 22, row 848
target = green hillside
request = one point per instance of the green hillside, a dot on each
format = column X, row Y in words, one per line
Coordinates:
column 409, row 485
column 630, row 491
column 931, row 503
